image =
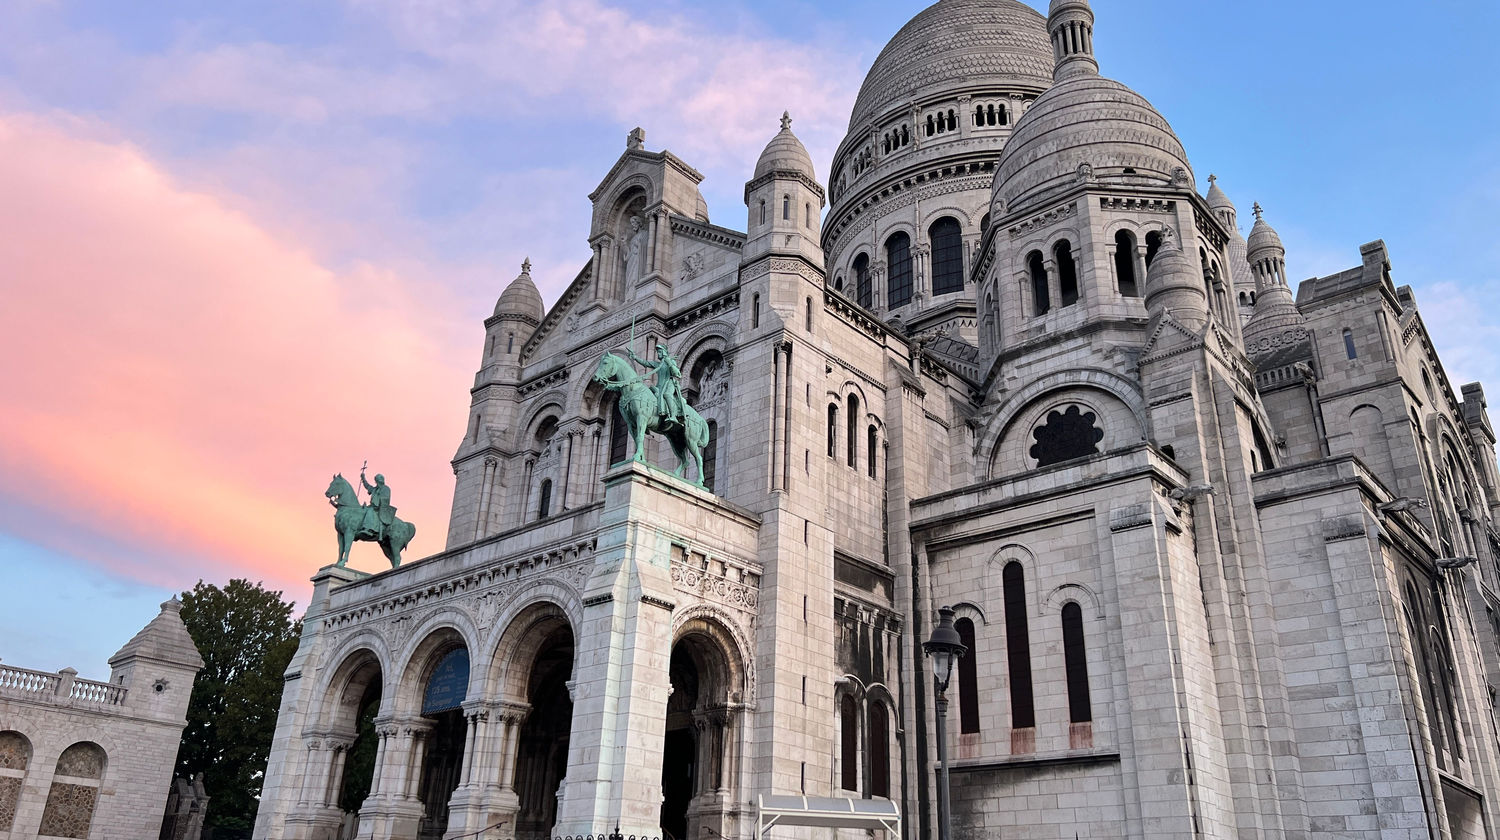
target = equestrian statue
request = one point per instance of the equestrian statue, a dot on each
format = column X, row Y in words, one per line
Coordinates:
column 660, row 409
column 374, row 522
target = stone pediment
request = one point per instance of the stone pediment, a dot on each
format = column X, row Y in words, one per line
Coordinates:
column 1168, row 338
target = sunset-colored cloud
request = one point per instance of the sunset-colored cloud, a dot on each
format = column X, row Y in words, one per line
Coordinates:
column 184, row 381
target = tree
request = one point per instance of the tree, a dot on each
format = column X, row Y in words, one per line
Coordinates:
column 246, row 636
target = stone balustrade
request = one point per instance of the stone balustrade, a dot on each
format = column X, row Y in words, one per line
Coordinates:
column 103, row 693
column 63, row 686
column 25, row 681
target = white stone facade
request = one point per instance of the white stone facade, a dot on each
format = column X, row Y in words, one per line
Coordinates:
column 86, row 759
column 1224, row 557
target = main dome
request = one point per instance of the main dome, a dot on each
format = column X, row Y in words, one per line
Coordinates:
column 1087, row 124
column 953, row 45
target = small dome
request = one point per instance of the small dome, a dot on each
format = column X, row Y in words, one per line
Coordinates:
column 1087, row 126
column 1217, row 200
column 1263, row 236
column 952, row 46
column 521, row 297
column 700, row 209
column 785, row 153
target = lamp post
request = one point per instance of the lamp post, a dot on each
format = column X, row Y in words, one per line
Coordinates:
column 945, row 647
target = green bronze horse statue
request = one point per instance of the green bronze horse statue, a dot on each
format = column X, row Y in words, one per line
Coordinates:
column 637, row 406
column 349, row 524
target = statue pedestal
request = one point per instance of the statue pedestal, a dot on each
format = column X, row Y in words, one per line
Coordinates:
column 621, row 679
column 325, row 581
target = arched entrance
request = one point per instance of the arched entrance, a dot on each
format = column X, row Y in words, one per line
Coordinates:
column 542, row 745
column 443, row 694
column 700, row 753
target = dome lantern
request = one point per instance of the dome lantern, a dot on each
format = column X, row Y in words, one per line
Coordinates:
column 1071, row 25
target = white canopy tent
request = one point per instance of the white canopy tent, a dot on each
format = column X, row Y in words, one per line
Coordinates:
column 828, row 812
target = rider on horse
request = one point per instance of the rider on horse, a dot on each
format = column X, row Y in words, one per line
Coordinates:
column 379, row 513
column 670, row 406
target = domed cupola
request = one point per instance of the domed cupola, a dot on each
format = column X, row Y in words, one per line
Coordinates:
column 785, row 153
column 521, row 298
column 1275, row 308
column 1085, row 127
column 1264, row 240
column 785, row 201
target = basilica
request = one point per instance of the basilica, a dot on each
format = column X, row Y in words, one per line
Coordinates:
column 1221, row 552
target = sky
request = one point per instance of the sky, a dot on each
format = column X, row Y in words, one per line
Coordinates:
column 247, row 244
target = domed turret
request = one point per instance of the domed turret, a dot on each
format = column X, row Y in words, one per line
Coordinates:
column 1085, row 126
column 521, row 297
column 785, row 201
column 1275, row 308
column 1173, row 285
column 785, row 153
column 1240, row 275
column 1263, row 238
column 1218, row 201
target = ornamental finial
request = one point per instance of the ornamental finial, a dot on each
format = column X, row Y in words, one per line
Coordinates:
column 526, row 266
column 786, row 120
column 1258, row 212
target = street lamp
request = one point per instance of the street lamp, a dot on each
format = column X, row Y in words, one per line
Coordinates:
column 945, row 647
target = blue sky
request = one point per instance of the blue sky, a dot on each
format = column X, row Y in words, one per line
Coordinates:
column 415, row 151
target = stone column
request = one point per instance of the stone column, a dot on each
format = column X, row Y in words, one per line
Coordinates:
column 965, row 115
column 414, row 761
column 314, row 773
column 595, row 471
column 525, row 495
column 467, row 809
column 486, row 497
column 566, row 481
column 335, row 778
column 1140, row 268
column 655, row 241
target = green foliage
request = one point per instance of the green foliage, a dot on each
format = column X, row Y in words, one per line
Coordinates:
column 247, row 636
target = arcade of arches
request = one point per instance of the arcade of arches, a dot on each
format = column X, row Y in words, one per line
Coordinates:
column 438, row 753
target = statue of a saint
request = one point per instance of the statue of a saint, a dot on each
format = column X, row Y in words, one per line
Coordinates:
column 378, row 513
column 668, row 389
column 634, row 252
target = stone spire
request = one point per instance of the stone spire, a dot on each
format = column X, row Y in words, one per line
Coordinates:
column 1071, row 24
column 1275, row 309
column 1242, row 278
column 1220, row 203
column 1174, row 286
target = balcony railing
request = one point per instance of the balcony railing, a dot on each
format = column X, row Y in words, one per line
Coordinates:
column 62, row 686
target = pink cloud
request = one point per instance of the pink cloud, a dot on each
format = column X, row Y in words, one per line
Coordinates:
column 182, row 379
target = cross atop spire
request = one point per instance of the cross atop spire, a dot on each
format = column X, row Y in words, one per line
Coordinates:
column 1258, row 212
column 786, row 120
column 1212, row 179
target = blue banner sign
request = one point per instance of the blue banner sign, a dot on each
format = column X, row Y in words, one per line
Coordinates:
column 448, row 684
